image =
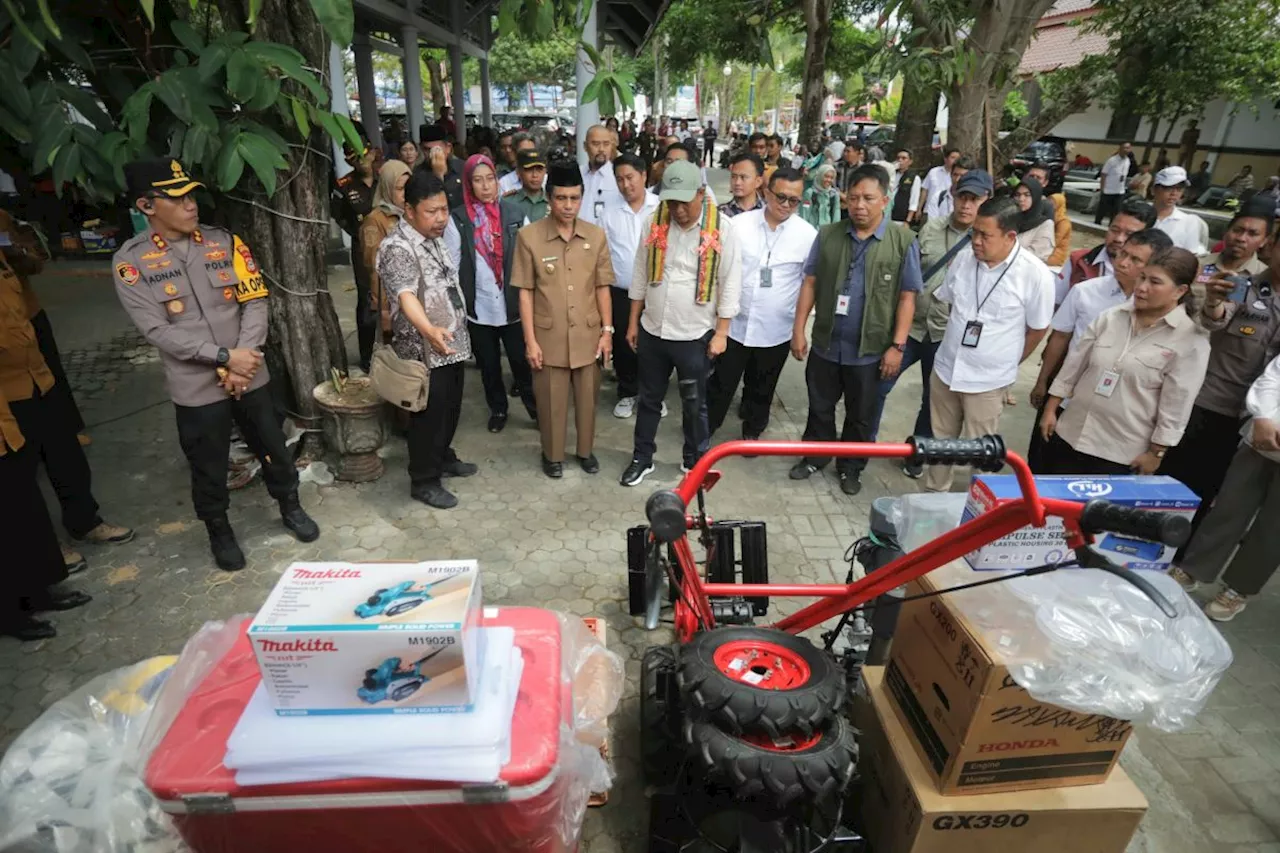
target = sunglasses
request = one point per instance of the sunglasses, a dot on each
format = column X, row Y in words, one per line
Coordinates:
column 788, row 200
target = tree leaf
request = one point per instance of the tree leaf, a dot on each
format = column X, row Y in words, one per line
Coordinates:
column 546, row 18
column 300, row 117
column 135, row 115
column 338, row 17
column 195, row 145
column 597, row 59
column 69, row 47
column 276, row 140
column 349, row 132
column 187, row 37
column 24, row 54
column 13, row 90
column 149, row 7
column 262, row 158
column 243, row 76
column 592, row 90
column 50, row 24
column 51, row 131
column 171, row 92
column 230, row 164
column 66, row 166
column 251, row 18
column 86, row 105
column 289, row 63
column 266, row 96
column 329, row 122
column 13, row 127
column 16, row 15
column 213, row 58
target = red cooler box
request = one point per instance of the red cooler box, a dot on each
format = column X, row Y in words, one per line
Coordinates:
column 522, row 812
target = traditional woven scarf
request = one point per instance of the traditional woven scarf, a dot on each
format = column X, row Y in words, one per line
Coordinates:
column 708, row 248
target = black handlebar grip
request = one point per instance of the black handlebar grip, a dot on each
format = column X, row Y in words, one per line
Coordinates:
column 1100, row 516
column 665, row 511
column 985, row 453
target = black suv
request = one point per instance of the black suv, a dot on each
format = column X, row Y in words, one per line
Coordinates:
column 1050, row 150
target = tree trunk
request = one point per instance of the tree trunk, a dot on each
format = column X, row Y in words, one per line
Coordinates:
column 917, row 114
column 999, row 37
column 817, row 27
column 289, row 232
column 435, row 71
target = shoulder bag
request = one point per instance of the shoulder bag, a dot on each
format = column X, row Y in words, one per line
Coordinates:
column 402, row 382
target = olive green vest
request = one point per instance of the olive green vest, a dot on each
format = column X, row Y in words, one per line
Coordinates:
column 882, row 277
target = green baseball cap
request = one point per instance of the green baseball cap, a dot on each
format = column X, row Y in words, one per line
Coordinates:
column 680, row 181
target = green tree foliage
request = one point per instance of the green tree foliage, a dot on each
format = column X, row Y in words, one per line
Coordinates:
column 516, row 59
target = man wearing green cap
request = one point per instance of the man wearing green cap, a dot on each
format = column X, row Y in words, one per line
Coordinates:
column 684, row 293
column 196, row 293
column 531, row 197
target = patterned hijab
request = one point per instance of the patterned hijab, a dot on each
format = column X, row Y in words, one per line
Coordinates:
column 485, row 216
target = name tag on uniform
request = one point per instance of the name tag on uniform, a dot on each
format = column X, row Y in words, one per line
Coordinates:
column 598, row 208
column 766, row 279
column 1107, row 383
column 972, row 334
column 842, row 305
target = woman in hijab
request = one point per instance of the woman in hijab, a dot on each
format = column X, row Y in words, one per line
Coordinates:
column 388, row 207
column 822, row 200
column 1035, row 229
column 481, row 239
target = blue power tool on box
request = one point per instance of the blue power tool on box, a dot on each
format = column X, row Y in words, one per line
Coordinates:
column 394, row 600
column 390, row 681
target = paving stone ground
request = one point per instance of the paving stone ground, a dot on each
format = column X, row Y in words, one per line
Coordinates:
column 1213, row 789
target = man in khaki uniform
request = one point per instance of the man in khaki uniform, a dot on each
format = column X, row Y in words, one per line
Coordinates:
column 563, row 269
column 197, row 295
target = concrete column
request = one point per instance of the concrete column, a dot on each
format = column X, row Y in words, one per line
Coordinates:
column 459, row 90
column 588, row 114
column 368, row 89
column 412, row 80
column 486, row 108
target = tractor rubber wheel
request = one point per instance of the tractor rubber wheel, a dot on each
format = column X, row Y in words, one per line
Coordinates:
column 759, row 680
column 660, row 749
column 777, row 773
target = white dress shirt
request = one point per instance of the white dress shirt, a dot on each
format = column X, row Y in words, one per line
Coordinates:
column 509, row 183
column 1186, row 230
column 1263, row 401
column 671, row 310
column 1084, row 303
column 1022, row 299
column 599, row 192
column 935, row 182
column 766, row 314
column 624, row 228
column 1062, row 282
column 491, row 304
column 1114, row 174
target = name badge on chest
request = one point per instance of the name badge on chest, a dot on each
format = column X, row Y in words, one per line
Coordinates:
column 972, row 334
column 842, row 305
column 766, row 280
column 1107, row 383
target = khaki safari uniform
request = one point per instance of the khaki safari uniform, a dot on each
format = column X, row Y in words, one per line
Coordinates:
column 564, row 276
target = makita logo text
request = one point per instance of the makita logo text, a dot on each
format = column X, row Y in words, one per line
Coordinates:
column 297, row 646
column 326, row 574
column 1010, row 745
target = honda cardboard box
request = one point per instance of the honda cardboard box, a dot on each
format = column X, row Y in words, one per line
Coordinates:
column 972, row 725
column 903, row 813
column 1038, row 546
column 370, row 638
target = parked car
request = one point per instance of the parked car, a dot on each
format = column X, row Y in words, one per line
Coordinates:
column 1050, row 150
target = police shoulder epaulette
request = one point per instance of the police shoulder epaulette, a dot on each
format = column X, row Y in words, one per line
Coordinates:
column 509, row 193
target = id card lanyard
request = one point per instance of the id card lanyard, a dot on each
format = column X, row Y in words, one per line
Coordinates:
column 842, row 300
column 1110, row 379
column 973, row 329
column 454, row 287
column 766, row 272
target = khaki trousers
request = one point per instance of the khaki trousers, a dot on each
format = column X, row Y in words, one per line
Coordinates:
column 551, row 386
column 956, row 414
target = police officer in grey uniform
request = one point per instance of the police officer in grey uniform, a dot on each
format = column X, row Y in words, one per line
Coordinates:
column 196, row 293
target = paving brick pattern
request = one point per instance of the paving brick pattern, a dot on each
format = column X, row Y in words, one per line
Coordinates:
column 1213, row 789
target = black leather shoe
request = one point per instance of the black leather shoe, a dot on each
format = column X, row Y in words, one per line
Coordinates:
column 222, row 542
column 56, row 600
column 802, row 470
column 532, row 409
column 297, row 521
column 554, row 470
column 29, row 630
column 746, row 436
column 435, row 496
column 589, row 463
column 497, row 423
column 850, row 484
column 458, row 468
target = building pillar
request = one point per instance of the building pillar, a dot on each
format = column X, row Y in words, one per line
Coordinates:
column 368, row 89
column 588, row 114
column 486, row 108
column 459, row 91
column 412, row 81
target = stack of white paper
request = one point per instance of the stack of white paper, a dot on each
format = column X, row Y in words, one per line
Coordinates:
column 265, row 749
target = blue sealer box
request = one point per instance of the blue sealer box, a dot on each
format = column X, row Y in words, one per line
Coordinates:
column 1036, row 546
column 371, row 638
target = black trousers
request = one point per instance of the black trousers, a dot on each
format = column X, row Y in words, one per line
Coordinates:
column 1038, row 454
column 1108, row 204
column 431, row 431
column 366, row 315
column 487, row 342
column 205, row 435
column 758, row 369
column 1061, row 458
column 624, row 357
column 51, row 437
column 827, row 382
column 656, row 358
column 1200, row 460
column 33, row 560
column 60, row 394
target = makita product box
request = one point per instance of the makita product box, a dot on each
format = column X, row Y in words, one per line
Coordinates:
column 1036, row 546
column 371, row 638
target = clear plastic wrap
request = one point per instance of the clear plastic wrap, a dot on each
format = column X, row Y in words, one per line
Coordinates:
column 925, row 516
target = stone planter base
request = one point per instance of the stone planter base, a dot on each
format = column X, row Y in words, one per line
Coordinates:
column 354, row 428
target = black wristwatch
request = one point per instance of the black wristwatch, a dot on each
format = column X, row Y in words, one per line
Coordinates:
column 900, row 347
column 224, row 356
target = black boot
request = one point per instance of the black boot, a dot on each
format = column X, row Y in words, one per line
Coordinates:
column 296, row 519
column 222, row 542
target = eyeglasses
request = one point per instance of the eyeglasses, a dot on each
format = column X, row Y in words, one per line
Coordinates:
column 787, row 200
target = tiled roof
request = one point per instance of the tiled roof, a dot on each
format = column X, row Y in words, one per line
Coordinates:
column 1061, row 46
column 1067, row 7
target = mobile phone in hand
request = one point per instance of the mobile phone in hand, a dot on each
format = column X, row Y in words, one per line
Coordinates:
column 1240, row 292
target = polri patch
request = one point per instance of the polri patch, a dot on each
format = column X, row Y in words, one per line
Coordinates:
column 128, row 273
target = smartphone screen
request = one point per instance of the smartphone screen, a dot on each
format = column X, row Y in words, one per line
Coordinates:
column 1240, row 292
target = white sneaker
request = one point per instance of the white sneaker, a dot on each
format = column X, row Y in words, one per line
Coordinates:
column 1226, row 606
column 1184, row 580
column 664, row 408
column 626, row 407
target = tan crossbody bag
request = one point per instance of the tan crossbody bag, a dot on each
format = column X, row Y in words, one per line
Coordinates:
column 400, row 381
